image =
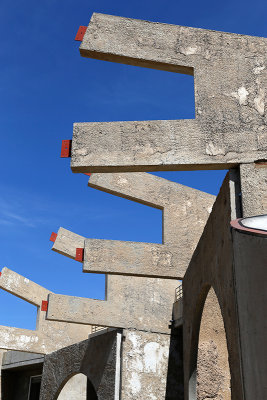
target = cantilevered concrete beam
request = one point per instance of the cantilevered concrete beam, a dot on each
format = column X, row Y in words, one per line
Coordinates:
column 131, row 302
column 230, row 79
column 49, row 336
column 185, row 212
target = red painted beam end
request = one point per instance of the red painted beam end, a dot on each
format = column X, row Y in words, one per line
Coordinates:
column 53, row 237
column 66, row 148
column 79, row 254
column 44, row 306
column 80, row 34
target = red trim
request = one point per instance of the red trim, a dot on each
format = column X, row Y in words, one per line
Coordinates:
column 79, row 254
column 88, row 174
column 44, row 306
column 0, row 273
column 80, row 34
column 53, row 237
column 236, row 225
column 65, row 148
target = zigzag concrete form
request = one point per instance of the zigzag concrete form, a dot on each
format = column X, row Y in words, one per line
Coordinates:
column 139, row 302
column 230, row 82
column 185, row 212
column 48, row 336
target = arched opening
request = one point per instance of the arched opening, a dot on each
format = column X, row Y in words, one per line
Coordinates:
column 78, row 387
column 213, row 378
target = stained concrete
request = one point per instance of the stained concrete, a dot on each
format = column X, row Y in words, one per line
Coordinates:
column 136, row 302
column 140, row 366
column 213, row 372
column 184, row 213
column 254, row 189
column 233, row 264
column 48, row 336
column 151, row 366
column 212, row 266
column 230, row 79
column 95, row 358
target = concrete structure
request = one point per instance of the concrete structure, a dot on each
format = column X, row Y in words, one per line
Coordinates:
column 119, row 364
column 234, row 265
column 230, row 79
column 48, row 336
column 136, row 302
column 184, row 214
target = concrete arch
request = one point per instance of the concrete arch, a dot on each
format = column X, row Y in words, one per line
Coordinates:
column 212, row 265
column 213, row 372
column 76, row 386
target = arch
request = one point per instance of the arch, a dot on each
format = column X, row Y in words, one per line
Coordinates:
column 213, row 372
column 210, row 375
column 76, row 386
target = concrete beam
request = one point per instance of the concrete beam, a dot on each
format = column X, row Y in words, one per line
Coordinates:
column 48, row 336
column 230, row 77
column 22, row 287
column 185, row 212
column 132, row 302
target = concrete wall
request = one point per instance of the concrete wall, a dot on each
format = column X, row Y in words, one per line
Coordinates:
column 75, row 388
column 213, row 373
column 151, row 366
column 230, row 125
column 98, row 358
column 212, row 266
column 48, row 336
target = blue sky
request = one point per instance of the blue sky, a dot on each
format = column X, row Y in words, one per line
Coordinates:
column 45, row 86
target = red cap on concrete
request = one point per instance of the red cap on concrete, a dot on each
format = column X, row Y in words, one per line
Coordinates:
column 79, row 254
column 65, row 148
column 80, row 34
column 44, row 305
column 53, row 237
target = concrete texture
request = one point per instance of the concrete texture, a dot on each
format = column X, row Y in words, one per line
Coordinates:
column 230, row 79
column 136, row 302
column 212, row 266
column 185, row 212
column 48, row 336
column 74, row 389
column 95, row 358
column 234, row 265
column 145, row 373
column 254, row 189
column 213, row 373
column 143, row 365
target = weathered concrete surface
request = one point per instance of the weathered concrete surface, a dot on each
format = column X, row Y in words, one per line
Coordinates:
column 185, row 212
column 250, row 262
column 212, row 266
column 145, row 361
column 254, row 189
column 135, row 302
column 95, row 358
column 49, row 336
column 213, row 373
column 74, row 389
column 234, row 265
column 230, row 77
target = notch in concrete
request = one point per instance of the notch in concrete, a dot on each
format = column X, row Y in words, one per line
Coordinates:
column 80, row 34
column 66, row 148
column 53, row 237
column 44, row 305
column 79, row 254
